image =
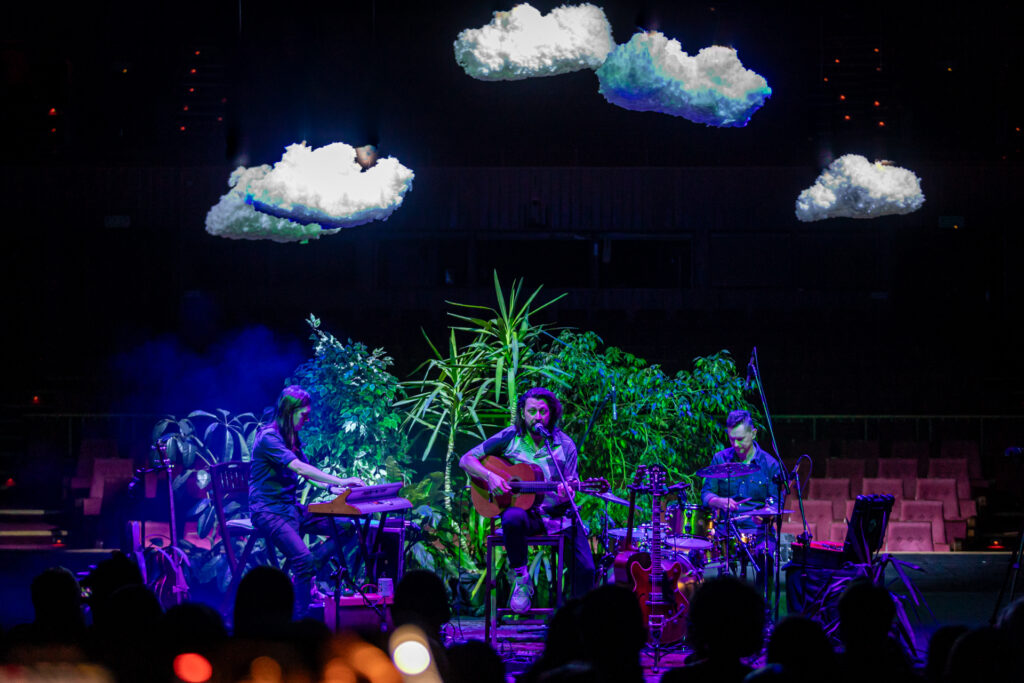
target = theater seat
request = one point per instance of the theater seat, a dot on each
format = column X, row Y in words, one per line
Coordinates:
column 925, row 511
column 836, row 490
column 909, row 536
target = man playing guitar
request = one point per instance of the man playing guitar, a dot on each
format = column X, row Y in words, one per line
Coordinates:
column 538, row 412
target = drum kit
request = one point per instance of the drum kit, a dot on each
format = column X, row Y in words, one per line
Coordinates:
column 693, row 534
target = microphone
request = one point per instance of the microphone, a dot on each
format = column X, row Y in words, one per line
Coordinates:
column 751, row 367
column 539, row 430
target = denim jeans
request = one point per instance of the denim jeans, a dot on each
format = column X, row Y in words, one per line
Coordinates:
column 286, row 532
column 517, row 524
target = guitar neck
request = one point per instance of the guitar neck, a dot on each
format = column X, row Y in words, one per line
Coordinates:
column 535, row 486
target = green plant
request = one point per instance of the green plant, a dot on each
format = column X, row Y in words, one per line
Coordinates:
column 626, row 412
column 509, row 342
column 354, row 429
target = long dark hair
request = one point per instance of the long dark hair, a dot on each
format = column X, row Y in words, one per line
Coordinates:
column 546, row 395
column 291, row 399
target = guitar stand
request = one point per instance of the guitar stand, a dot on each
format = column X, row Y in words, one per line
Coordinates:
column 655, row 648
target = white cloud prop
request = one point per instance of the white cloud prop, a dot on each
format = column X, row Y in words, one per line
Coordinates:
column 310, row 192
column 523, row 43
column 652, row 73
column 853, row 187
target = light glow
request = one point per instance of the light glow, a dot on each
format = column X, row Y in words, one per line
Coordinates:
column 412, row 657
column 853, row 187
column 652, row 73
column 523, row 43
column 191, row 667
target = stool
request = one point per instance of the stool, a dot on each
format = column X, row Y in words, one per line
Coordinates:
column 495, row 613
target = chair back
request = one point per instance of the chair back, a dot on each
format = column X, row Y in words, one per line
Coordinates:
column 229, row 482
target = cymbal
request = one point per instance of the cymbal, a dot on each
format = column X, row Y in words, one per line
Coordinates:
column 761, row 512
column 610, row 497
column 727, row 470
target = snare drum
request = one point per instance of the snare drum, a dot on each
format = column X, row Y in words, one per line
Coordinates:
column 690, row 519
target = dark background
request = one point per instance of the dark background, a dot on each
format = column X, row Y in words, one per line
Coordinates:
column 672, row 239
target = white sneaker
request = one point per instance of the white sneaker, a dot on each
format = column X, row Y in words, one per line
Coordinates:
column 522, row 592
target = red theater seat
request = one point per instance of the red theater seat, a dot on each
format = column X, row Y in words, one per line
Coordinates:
column 847, row 468
column 942, row 490
column 952, row 468
column 909, row 536
column 836, row 490
column 886, row 485
column 963, row 449
column 904, row 469
column 925, row 511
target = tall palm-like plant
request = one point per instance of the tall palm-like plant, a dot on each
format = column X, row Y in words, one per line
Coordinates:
column 447, row 401
column 508, row 342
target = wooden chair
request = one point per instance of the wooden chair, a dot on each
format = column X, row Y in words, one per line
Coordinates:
column 493, row 613
column 229, row 483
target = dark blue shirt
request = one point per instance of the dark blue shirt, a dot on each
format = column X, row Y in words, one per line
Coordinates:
column 758, row 487
column 273, row 486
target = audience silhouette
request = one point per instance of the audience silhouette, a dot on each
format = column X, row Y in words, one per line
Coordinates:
column 597, row 639
column 725, row 624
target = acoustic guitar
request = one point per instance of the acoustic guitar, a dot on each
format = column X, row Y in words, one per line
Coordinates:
column 527, row 483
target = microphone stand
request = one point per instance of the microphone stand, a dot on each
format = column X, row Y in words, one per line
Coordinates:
column 547, row 436
column 755, row 366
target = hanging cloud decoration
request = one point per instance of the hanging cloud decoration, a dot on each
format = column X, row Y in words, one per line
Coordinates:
column 231, row 217
column 308, row 193
column 853, row 187
column 652, row 73
column 523, row 43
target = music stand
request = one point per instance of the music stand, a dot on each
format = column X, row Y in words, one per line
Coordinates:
column 866, row 530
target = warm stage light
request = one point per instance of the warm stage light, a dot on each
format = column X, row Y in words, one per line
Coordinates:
column 881, row 124
column 181, row 128
column 36, row 400
column 53, row 111
column 877, row 103
column 185, row 108
column 220, row 118
column 124, row 71
column 826, row 79
column 191, row 89
column 842, row 97
column 412, row 658
column 192, row 668
column 53, row 130
column 192, row 70
column 837, row 60
column 876, row 49
column 197, row 52
column 846, row 117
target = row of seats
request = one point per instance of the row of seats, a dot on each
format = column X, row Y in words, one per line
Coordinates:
column 872, row 452
column 931, row 513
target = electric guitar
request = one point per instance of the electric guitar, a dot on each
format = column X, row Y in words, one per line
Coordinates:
column 527, row 483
